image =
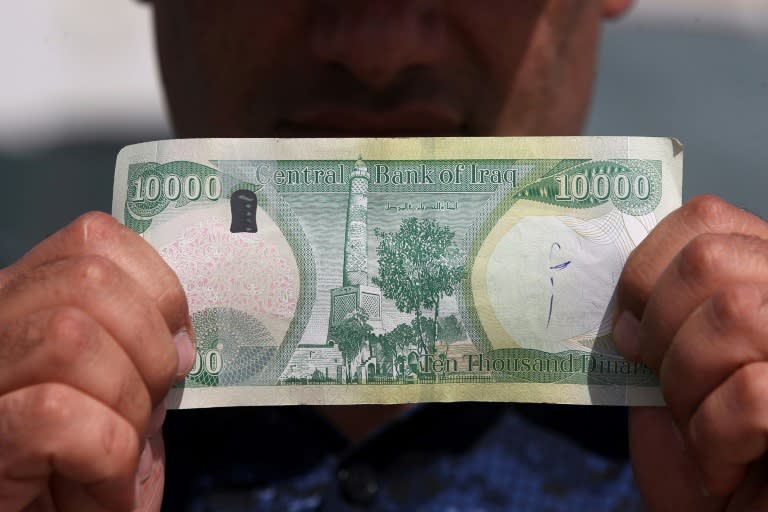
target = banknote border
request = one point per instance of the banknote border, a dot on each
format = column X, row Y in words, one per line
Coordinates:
column 575, row 394
column 443, row 148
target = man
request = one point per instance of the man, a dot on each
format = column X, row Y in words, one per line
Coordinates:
column 94, row 327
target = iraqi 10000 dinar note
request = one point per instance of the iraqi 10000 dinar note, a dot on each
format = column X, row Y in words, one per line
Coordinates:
column 344, row 271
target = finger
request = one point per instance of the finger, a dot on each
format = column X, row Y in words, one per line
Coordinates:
column 97, row 286
column 665, row 474
column 69, row 496
column 703, row 214
column 67, row 346
column 752, row 493
column 704, row 266
column 150, row 485
column 43, row 503
column 729, row 429
column 729, row 331
column 54, row 429
column 100, row 234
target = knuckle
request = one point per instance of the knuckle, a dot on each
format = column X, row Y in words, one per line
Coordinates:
column 133, row 400
column 95, row 271
column 173, row 294
column 119, row 442
column 710, row 210
column 635, row 283
column 704, row 257
column 92, row 230
column 93, row 227
column 54, row 403
column 735, row 306
column 751, row 392
column 71, row 333
column 51, row 402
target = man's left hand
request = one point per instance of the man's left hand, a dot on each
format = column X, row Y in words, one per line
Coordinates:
column 693, row 306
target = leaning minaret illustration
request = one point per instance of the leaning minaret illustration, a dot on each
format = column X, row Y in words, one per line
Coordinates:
column 355, row 290
column 356, row 239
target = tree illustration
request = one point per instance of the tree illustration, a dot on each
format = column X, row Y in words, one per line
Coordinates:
column 426, row 326
column 418, row 265
column 350, row 336
column 384, row 351
column 400, row 338
column 449, row 329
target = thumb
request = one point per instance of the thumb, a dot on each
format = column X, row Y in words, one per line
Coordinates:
column 665, row 474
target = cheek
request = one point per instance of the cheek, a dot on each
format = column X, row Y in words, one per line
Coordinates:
column 242, row 62
column 509, row 46
column 541, row 59
column 497, row 33
column 217, row 60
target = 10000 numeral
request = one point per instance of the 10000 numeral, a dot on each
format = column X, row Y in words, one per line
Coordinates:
column 172, row 187
column 211, row 362
column 578, row 186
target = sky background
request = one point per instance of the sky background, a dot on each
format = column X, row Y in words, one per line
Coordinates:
column 80, row 80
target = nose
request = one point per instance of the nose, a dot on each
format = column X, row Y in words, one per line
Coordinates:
column 376, row 40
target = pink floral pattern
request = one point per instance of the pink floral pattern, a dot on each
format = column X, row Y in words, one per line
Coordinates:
column 237, row 270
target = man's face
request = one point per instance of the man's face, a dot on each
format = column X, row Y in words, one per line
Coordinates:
column 335, row 68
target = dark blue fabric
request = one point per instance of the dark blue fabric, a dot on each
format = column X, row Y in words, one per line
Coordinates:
column 439, row 457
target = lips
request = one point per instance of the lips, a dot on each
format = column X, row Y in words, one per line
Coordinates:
column 409, row 120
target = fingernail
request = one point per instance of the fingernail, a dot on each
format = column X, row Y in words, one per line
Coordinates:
column 625, row 335
column 186, row 352
column 145, row 463
column 157, row 419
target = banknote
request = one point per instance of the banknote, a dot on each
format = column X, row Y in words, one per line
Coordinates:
column 347, row 271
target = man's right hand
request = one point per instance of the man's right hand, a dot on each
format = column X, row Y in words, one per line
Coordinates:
column 94, row 329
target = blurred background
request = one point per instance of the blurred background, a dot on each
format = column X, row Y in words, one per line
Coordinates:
column 79, row 81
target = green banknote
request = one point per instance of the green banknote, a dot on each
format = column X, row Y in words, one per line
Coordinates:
column 345, row 271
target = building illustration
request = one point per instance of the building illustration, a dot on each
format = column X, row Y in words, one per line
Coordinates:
column 421, row 265
column 356, row 293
